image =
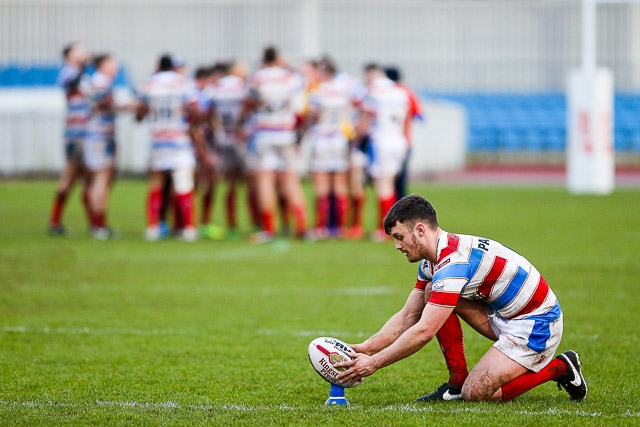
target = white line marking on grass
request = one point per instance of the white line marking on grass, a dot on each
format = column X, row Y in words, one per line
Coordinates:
column 91, row 331
column 239, row 407
column 279, row 246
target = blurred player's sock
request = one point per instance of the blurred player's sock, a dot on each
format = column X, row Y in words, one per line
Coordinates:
column 301, row 220
column 268, row 222
column 384, row 205
column 154, row 203
column 59, row 201
column 451, row 340
column 322, row 211
column 554, row 370
column 342, row 208
column 99, row 220
column 186, row 209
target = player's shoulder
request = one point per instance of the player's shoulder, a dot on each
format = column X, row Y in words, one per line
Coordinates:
column 101, row 81
column 453, row 246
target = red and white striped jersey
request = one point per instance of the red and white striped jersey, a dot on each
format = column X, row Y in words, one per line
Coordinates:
column 481, row 269
column 278, row 91
column 389, row 104
column 332, row 101
column 168, row 94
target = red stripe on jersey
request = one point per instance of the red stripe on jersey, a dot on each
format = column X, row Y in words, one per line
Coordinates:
column 421, row 284
column 452, row 245
column 536, row 300
column 492, row 277
column 445, row 299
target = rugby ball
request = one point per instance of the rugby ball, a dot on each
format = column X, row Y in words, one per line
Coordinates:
column 324, row 352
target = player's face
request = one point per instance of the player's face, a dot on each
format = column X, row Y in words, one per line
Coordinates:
column 407, row 242
column 109, row 66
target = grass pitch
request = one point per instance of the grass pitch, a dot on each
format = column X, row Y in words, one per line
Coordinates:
column 127, row 332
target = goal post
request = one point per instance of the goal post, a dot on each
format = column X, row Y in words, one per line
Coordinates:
column 590, row 151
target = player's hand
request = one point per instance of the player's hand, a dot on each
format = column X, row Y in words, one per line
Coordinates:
column 360, row 348
column 361, row 366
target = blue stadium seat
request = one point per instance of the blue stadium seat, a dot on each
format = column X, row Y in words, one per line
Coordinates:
column 10, row 76
column 556, row 141
column 534, row 140
column 622, row 141
column 512, row 140
column 635, row 141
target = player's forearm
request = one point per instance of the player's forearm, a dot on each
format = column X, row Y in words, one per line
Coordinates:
column 407, row 344
column 389, row 333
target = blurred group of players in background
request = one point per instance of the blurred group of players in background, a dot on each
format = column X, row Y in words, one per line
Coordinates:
column 221, row 123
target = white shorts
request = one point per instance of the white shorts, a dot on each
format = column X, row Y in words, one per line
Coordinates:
column 358, row 158
column 530, row 342
column 99, row 152
column 386, row 156
column 169, row 155
column 329, row 153
column 274, row 150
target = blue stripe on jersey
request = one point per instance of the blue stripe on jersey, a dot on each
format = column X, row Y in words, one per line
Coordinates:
column 511, row 291
column 170, row 145
column 541, row 332
column 452, row 270
column 474, row 262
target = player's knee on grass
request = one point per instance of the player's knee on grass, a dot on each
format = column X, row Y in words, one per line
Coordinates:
column 478, row 388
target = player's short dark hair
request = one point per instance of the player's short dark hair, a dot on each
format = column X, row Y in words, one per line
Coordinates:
column 393, row 73
column 327, row 65
column 409, row 210
column 66, row 50
column 99, row 59
column 220, row 68
column 372, row 66
column 203, row 72
column 270, row 55
column 165, row 63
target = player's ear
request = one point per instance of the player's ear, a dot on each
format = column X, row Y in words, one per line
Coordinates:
column 420, row 229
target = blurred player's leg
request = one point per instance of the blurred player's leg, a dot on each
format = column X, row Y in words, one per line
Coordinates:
column 358, row 193
column 341, row 192
column 73, row 170
column 385, row 191
column 292, row 191
column 154, row 205
column 321, row 186
column 98, row 196
column 183, row 182
column 266, row 196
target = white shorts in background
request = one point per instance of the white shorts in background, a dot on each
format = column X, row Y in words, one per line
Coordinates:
column 99, row 152
column 274, row 150
column 386, row 156
column 329, row 153
column 358, row 158
column 171, row 155
column 531, row 342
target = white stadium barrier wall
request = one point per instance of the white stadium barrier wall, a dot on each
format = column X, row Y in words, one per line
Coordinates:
column 31, row 135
